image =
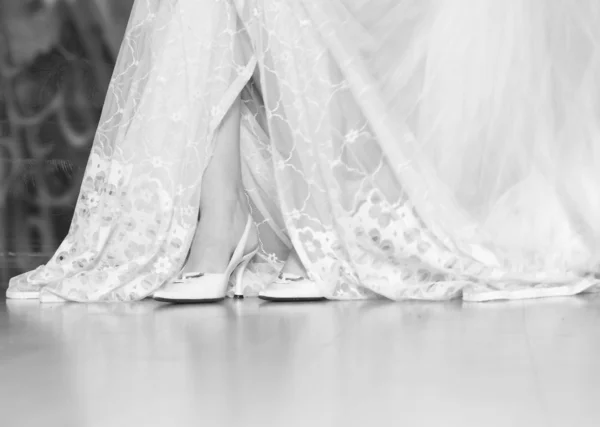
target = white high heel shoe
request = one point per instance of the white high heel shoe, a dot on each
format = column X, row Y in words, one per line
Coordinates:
column 291, row 288
column 207, row 287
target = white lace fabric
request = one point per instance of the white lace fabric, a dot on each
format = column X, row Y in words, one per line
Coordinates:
column 410, row 149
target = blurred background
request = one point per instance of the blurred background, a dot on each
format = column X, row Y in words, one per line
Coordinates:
column 56, row 59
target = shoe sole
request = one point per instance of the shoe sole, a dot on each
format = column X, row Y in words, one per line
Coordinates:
column 298, row 299
column 188, row 301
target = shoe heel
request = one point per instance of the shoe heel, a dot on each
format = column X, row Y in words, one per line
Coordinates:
column 238, row 286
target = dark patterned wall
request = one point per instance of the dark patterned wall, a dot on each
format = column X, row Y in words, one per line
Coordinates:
column 56, row 57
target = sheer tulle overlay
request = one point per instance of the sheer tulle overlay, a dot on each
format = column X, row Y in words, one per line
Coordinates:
column 411, row 149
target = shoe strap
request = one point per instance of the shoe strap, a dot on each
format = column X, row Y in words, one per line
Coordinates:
column 186, row 276
column 287, row 277
column 238, row 252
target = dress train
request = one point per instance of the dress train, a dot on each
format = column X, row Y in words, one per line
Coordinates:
column 411, row 149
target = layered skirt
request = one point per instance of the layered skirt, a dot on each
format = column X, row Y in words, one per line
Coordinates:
column 406, row 149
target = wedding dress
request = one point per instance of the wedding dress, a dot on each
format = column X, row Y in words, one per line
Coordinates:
column 410, row 149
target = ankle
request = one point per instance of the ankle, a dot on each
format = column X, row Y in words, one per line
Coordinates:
column 223, row 200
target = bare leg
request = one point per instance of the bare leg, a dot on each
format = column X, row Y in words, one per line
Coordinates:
column 293, row 265
column 223, row 204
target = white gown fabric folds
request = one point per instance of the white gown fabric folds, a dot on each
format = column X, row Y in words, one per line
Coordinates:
column 409, row 149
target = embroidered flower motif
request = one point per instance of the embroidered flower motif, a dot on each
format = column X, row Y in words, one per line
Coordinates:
column 375, row 235
column 272, row 258
column 351, row 136
column 113, row 259
column 407, row 274
column 387, row 246
column 129, row 224
column 61, row 257
column 79, row 263
column 424, row 275
column 109, row 190
column 375, row 198
column 311, row 244
column 187, row 210
column 146, row 196
column 93, row 200
column 411, row 235
column 151, row 231
column 157, row 162
column 84, row 212
column 285, row 56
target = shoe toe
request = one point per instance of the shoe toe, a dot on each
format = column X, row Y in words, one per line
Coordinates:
column 296, row 290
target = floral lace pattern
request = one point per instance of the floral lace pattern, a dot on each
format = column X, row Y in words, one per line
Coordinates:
column 354, row 152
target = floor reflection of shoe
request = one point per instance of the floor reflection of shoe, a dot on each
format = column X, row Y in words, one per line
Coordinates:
column 207, row 287
column 292, row 288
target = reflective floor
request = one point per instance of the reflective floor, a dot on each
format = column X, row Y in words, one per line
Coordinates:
column 250, row 363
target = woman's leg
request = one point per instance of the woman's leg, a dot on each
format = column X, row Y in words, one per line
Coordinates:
column 293, row 265
column 223, row 205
